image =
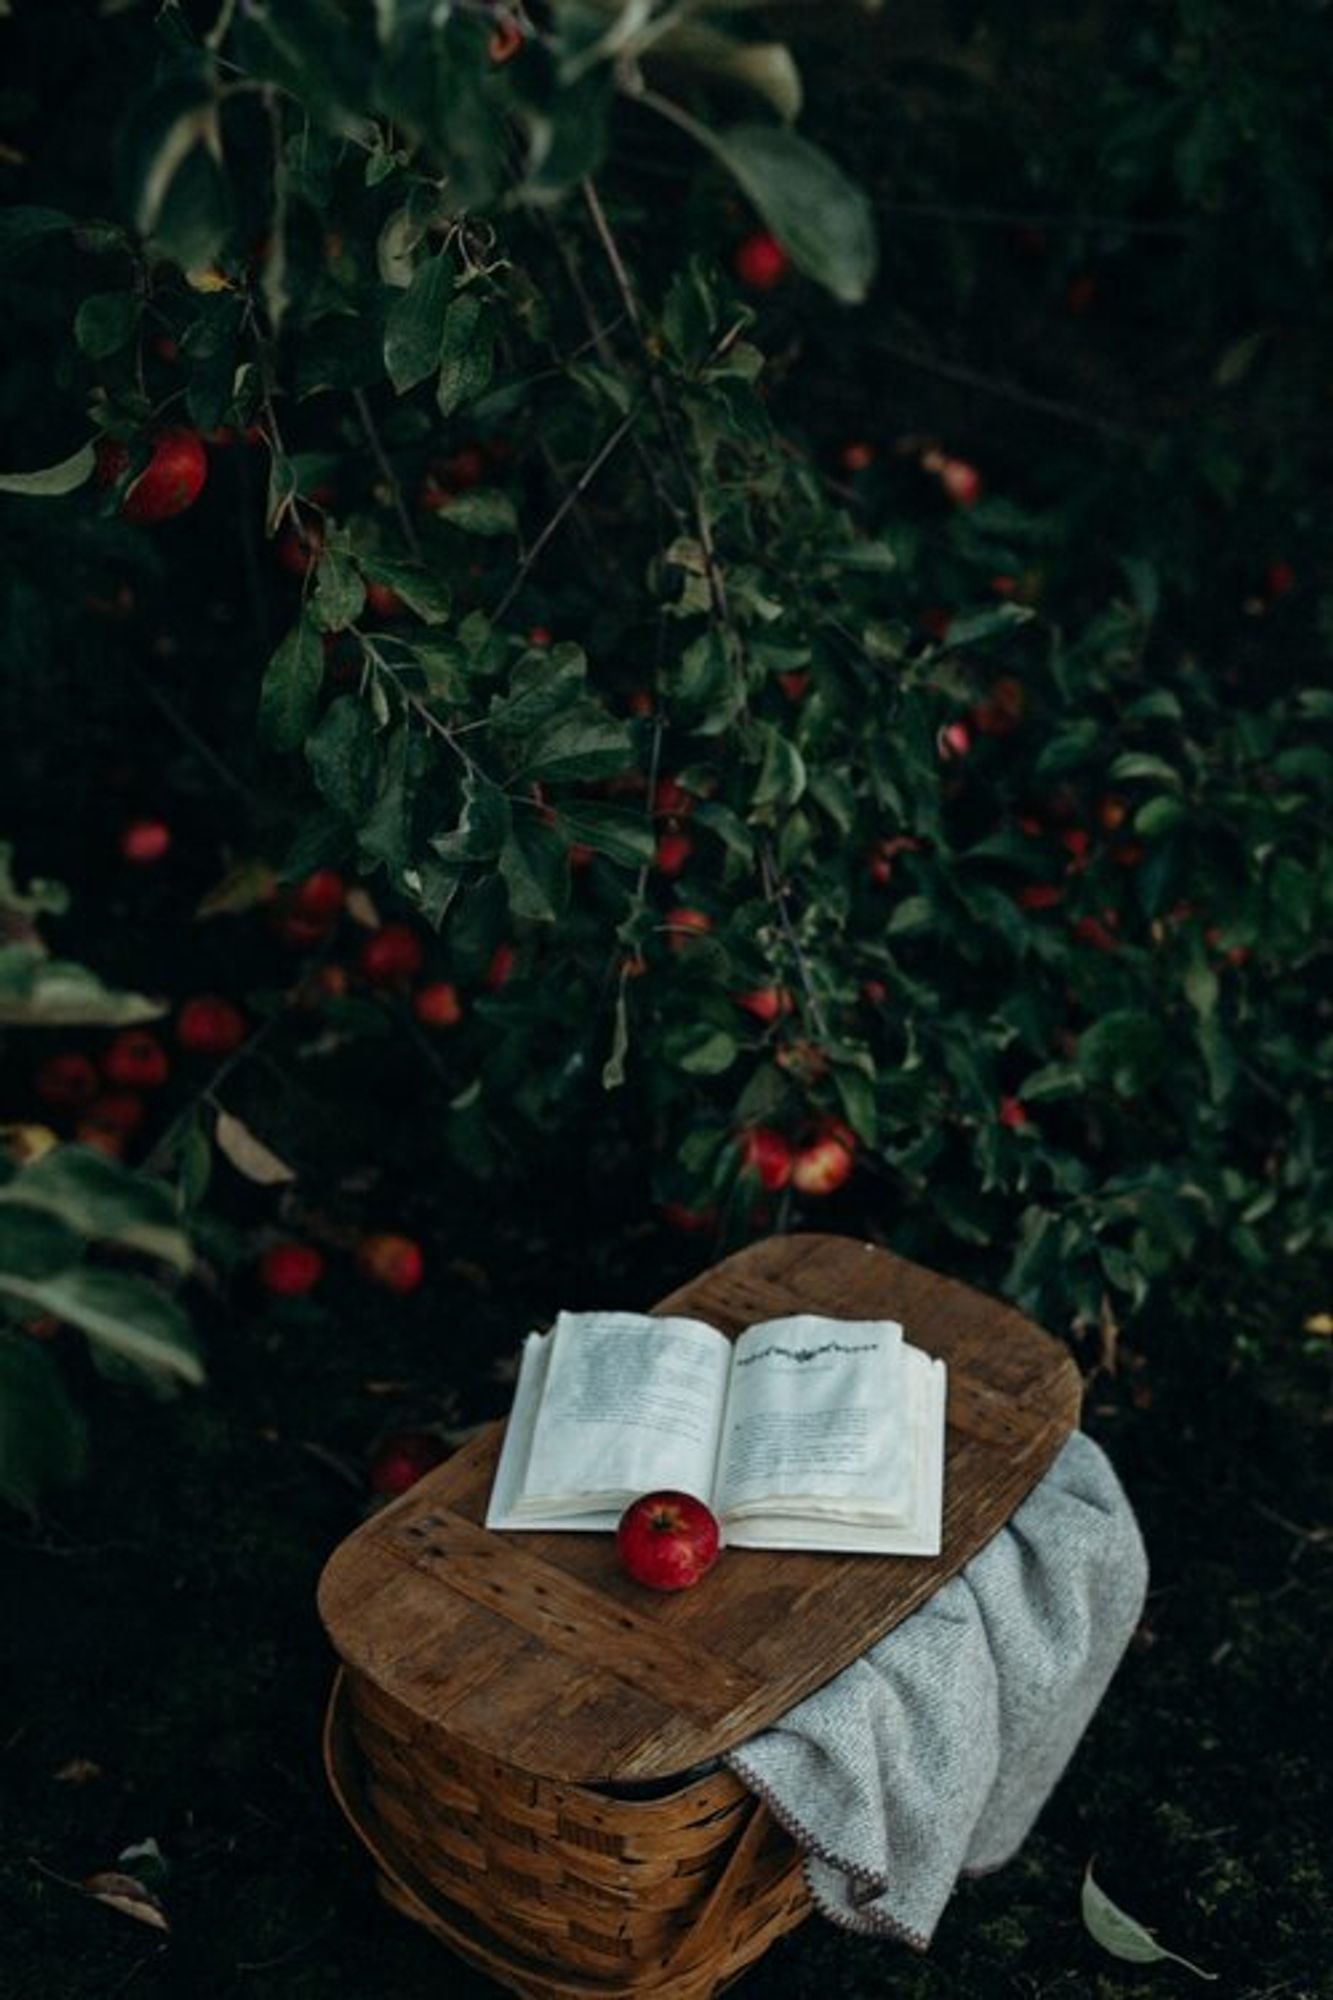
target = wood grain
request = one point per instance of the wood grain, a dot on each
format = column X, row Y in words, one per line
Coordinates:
column 536, row 1649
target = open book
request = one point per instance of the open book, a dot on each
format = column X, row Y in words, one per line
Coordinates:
column 805, row 1432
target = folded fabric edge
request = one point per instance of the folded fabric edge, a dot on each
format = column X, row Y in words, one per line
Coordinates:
column 814, row 1850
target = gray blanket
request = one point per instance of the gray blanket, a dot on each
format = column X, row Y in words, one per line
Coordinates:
column 932, row 1756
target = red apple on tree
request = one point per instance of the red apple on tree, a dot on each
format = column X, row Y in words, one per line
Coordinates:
column 761, row 262
column 171, row 481
column 66, row 1081
column 393, row 1261
column 768, row 1154
column 821, row 1167
column 668, row 1540
column 210, row 1025
column 144, row 841
column 290, row 1270
column 135, row 1060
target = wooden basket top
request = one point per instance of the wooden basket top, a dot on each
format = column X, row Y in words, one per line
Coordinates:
column 536, row 1649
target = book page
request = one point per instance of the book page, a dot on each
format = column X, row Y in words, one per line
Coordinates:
column 818, row 1421
column 919, row 1533
column 630, row 1403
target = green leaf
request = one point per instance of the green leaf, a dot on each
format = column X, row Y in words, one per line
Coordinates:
column 42, row 1436
column 1125, row 1049
column 53, row 480
column 768, row 69
column 423, row 593
column 467, row 357
column 534, row 867
column 698, row 1049
column 20, row 227
column 289, row 696
column 171, row 164
column 820, row 217
column 106, row 322
column 1159, row 815
column 34, row 1244
column 1124, row 1936
column 781, row 779
column 102, row 1199
column 545, row 682
column 343, row 758
column 415, row 325
column 619, row 832
column 483, row 511
column 1140, row 764
column 587, row 744
column 127, row 1315
column 856, row 1092
column 339, row 593
column 41, row 992
column 484, row 826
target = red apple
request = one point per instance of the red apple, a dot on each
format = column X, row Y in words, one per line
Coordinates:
column 670, row 800
column 171, row 481
column 392, row 1261
column 66, row 1081
column 399, row 1461
column 766, row 1003
column 687, row 1221
column 768, row 1154
column 953, row 740
column 961, row 481
column 1013, row 1113
column 760, row 261
column 437, row 1005
column 135, row 1060
column 498, row 972
column 673, row 851
column 687, row 924
column 144, row 841
column 857, row 456
column 828, row 1161
column 383, row 599
column 290, row 1270
column 209, row 1025
column 391, row 954
column 319, row 897
column 539, row 636
column 668, row 1540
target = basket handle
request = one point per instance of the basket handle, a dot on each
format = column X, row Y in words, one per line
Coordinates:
column 419, row 1899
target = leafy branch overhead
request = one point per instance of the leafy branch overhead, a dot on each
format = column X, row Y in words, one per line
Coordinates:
column 846, row 807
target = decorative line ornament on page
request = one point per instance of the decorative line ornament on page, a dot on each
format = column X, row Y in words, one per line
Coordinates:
column 803, row 1353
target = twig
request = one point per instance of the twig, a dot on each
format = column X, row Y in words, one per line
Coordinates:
column 777, row 896
column 1029, row 399
column 387, row 473
column 161, row 1150
column 581, row 485
column 190, row 735
column 717, row 589
column 1004, row 218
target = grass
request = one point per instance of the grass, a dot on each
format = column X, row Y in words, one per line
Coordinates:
column 162, row 1626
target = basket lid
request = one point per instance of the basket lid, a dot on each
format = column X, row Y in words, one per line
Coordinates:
column 535, row 1648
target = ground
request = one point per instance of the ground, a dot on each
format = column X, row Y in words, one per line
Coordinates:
column 162, row 1622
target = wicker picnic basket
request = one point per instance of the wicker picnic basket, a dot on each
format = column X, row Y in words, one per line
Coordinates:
column 562, row 1890
column 529, row 1748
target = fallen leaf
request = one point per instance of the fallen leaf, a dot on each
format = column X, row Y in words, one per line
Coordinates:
column 250, row 1156
column 128, row 1895
column 361, row 909
column 1320, row 1323
column 78, row 1771
column 1122, row 1935
column 245, row 886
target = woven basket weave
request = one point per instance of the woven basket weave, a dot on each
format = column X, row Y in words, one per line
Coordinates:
column 560, row 1891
